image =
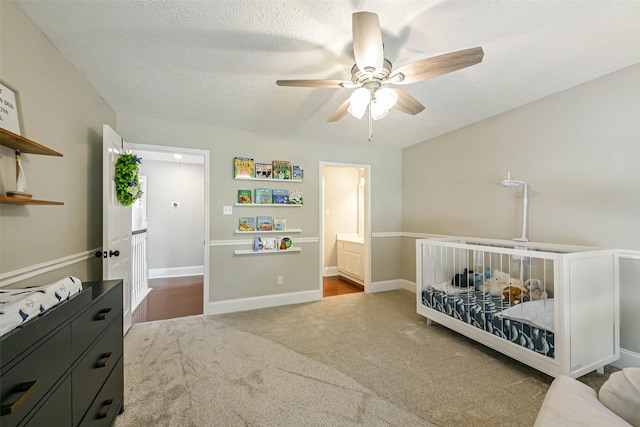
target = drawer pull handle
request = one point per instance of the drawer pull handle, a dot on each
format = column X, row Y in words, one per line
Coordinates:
column 104, row 359
column 106, row 406
column 27, row 388
column 102, row 315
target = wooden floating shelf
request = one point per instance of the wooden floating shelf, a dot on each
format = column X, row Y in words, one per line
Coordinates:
column 25, row 201
column 290, row 230
column 270, row 205
column 252, row 252
column 24, row 145
column 241, row 178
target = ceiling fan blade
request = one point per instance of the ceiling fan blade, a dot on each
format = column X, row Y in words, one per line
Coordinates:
column 367, row 41
column 340, row 112
column 407, row 103
column 335, row 84
column 437, row 65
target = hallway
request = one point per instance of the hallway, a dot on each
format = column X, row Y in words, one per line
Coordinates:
column 173, row 297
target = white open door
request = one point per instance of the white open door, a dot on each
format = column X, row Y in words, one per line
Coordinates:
column 116, row 223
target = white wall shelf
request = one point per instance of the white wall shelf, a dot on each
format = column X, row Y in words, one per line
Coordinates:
column 270, row 205
column 240, row 178
column 289, row 230
column 252, row 252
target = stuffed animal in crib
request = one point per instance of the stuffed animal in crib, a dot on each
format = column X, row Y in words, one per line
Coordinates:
column 498, row 281
column 467, row 279
column 492, row 286
column 535, row 289
column 515, row 295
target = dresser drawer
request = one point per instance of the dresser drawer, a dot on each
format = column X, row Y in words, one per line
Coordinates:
column 91, row 372
column 90, row 324
column 55, row 412
column 109, row 401
column 22, row 386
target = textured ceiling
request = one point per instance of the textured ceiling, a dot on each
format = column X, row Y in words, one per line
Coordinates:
column 216, row 62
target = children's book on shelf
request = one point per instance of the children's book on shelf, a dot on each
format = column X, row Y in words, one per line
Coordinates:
column 243, row 167
column 244, row 196
column 264, row 223
column 295, row 197
column 264, row 170
column 284, row 243
column 281, row 169
column 279, row 224
column 297, row 173
column 265, row 244
column 263, row 196
column 247, row 223
column 280, row 197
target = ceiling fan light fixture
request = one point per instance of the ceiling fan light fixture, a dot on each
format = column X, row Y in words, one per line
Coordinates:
column 378, row 111
column 386, row 98
column 359, row 100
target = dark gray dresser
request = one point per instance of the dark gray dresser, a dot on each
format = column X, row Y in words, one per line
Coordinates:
column 65, row 368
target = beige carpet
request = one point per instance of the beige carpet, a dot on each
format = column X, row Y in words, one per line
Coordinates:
column 352, row 360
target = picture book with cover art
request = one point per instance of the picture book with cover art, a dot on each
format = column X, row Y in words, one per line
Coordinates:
column 265, row 244
column 264, row 223
column 295, row 197
column 263, row 196
column 279, row 224
column 280, row 197
column 264, row 170
column 297, row 173
column 244, row 197
column 281, row 169
column 247, row 223
column 284, row 243
column 243, row 167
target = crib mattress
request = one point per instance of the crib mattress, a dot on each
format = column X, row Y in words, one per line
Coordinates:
column 18, row 306
column 481, row 310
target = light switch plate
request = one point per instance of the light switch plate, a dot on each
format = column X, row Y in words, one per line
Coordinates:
column 227, row 210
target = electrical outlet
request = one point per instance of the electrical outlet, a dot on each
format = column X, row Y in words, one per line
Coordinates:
column 280, row 280
column 227, row 210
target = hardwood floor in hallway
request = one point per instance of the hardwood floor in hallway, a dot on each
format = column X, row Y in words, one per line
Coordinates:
column 173, row 297
column 338, row 285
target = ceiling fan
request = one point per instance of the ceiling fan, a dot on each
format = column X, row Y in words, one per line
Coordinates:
column 373, row 73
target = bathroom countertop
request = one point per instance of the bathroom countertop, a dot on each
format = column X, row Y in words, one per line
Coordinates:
column 352, row 238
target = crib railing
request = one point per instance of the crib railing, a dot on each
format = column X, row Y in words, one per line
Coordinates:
column 140, row 273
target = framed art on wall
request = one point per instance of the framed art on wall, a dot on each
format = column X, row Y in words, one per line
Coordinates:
column 10, row 118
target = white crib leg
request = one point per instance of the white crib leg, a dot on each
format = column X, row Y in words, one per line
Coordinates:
column 429, row 322
column 600, row 370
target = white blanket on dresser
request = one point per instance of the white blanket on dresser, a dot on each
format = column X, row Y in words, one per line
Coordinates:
column 20, row 305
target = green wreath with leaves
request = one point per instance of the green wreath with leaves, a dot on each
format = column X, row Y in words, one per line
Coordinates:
column 127, row 184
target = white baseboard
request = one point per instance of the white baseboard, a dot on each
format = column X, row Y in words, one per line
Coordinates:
column 627, row 359
column 391, row 285
column 330, row 271
column 243, row 304
column 194, row 270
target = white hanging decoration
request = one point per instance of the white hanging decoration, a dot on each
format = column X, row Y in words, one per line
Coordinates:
column 21, row 180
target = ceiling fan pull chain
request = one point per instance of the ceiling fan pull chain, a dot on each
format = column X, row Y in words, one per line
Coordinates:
column 370, row 122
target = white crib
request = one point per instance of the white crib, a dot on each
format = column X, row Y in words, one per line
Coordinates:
column 573, row 329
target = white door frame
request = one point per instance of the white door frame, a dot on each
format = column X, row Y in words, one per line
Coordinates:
column 207, row 192
column 367, row 219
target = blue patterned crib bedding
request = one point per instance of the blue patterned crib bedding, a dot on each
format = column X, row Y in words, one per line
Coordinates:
column 482, row 311
column 18, row 306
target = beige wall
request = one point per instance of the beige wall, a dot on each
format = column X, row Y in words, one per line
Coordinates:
column 255, row 275
column 62, row 111
column 341, row 201
column 174, row 235
column 578, row 151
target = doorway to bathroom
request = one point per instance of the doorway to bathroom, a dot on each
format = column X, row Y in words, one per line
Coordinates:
column 345, row 228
